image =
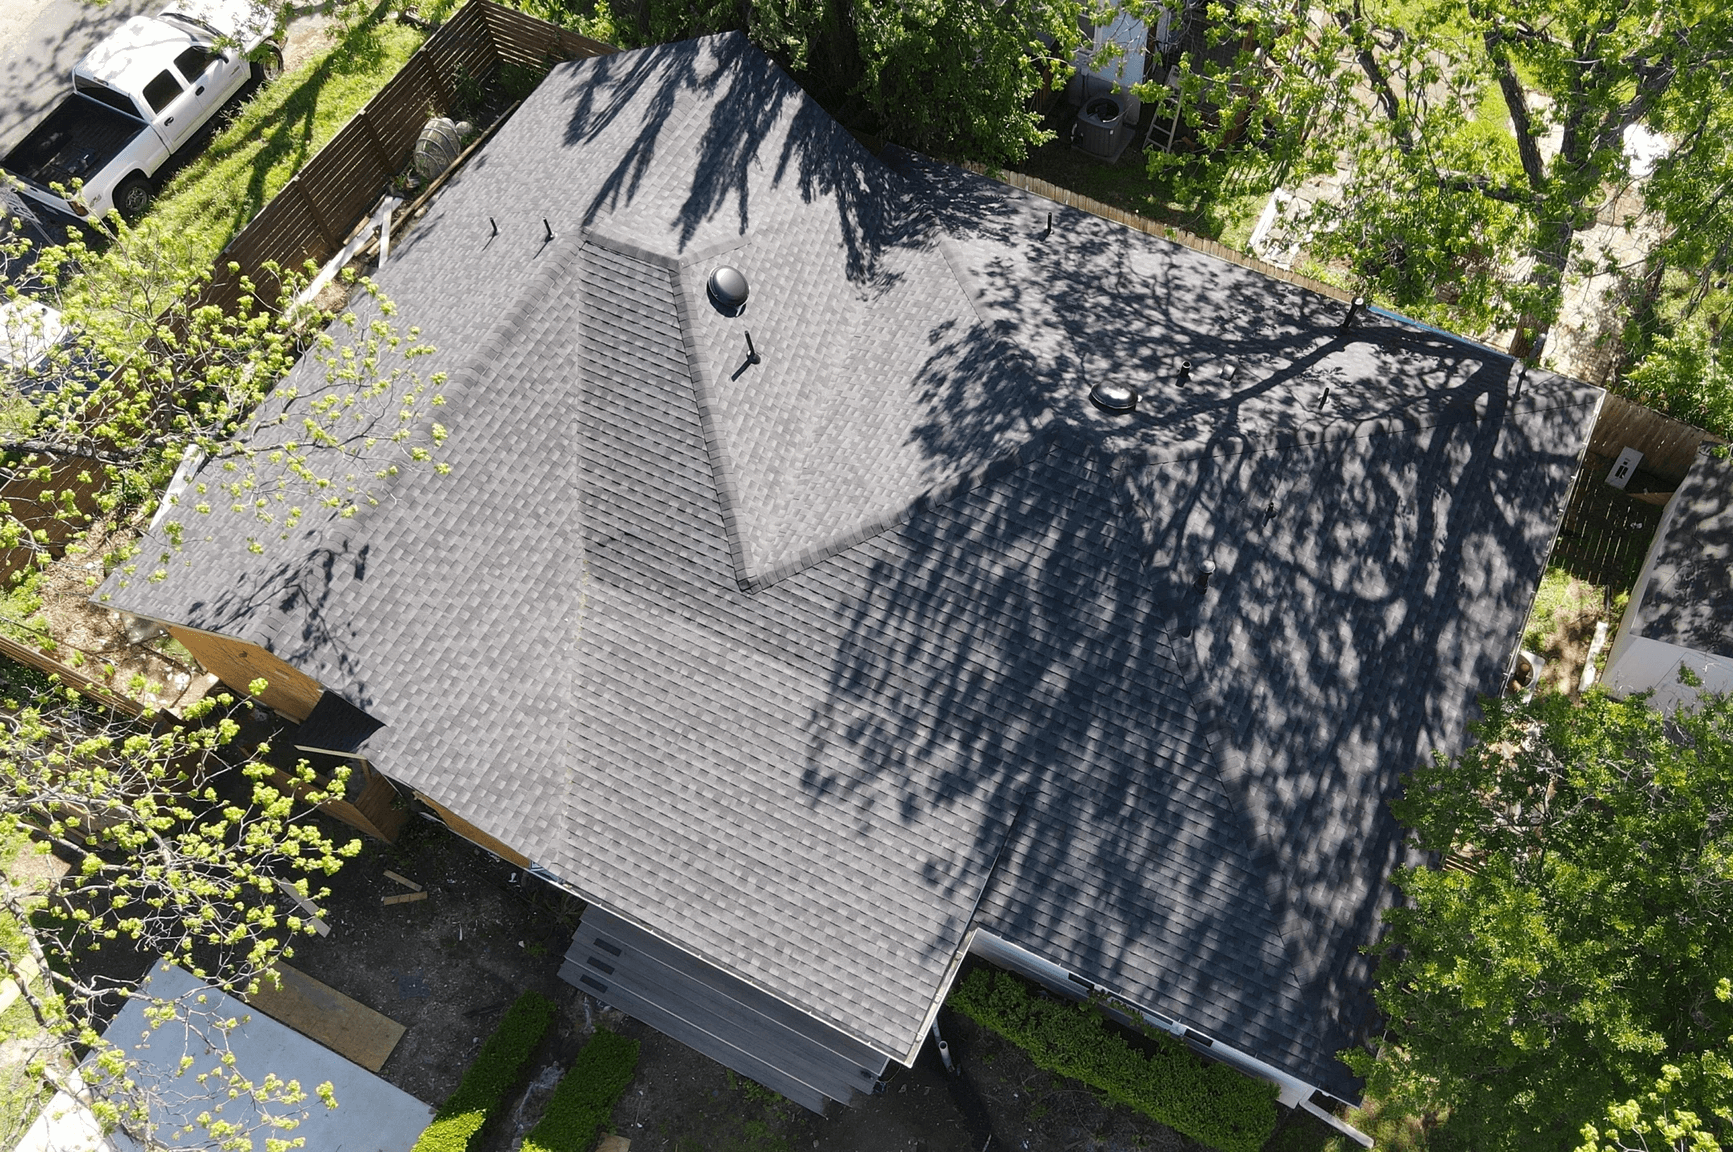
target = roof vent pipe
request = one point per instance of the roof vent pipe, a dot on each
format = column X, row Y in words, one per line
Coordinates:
column 1204, row 572
column 1353, row 312
column 1184, row 371
column 728, row 289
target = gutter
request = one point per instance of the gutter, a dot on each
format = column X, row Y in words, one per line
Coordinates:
column 1293, row 1092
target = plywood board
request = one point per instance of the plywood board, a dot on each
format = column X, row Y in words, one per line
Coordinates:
column 291, row 692
column 320, row 1012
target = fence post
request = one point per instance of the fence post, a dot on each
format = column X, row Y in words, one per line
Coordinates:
column 437, row 83
column 378, row 146
column 318, row 216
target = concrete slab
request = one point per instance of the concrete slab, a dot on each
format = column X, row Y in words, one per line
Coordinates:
column 372, row 1115
column 320, row 1012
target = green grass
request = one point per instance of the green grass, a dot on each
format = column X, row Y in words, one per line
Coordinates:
column 277, row 132
column 1555, row 595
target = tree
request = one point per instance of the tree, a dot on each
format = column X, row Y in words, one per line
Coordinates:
column 1574, row 950
column 148, row 370
column 1477, row 139
column 1679, row 300
column 180, row 848
column 1656, row 1123
column 952, row 77
column 182, row 844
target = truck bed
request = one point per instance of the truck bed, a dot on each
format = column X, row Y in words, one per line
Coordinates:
column 77, row 139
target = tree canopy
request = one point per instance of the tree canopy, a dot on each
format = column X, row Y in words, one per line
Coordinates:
column 181, row 841
column 1476, row 140
column 1564, row 974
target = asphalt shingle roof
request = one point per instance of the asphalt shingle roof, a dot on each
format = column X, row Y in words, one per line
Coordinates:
column 1689, row 597
column 809, row 665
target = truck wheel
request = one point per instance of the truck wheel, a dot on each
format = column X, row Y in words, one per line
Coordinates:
column 268, row 64
column 132, row 198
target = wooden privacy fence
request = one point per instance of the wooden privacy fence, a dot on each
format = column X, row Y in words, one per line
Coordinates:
column 51, row 505
column 1606, row 532
column 314, row 214
column 1668, row 446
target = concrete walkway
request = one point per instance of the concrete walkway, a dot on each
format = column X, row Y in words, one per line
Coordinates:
column 371, row 1116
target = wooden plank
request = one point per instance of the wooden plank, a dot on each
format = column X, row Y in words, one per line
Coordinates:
column 69, row 676
column 404, row 898
column 403, row 880
column 326, row 1016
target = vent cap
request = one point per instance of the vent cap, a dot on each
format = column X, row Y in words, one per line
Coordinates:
column 1112, row 397
column 728, row 288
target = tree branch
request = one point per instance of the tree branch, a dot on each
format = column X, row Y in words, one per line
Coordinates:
column 1516, row 100
column 1354, row 26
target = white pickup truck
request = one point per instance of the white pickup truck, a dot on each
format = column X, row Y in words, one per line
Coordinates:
column 137, row 98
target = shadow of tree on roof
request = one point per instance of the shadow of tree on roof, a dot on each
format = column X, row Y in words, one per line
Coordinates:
column 1201, row 775
column 721, row 127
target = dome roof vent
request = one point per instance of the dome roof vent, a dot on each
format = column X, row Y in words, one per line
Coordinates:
column 728, row 290
column 1111, row 397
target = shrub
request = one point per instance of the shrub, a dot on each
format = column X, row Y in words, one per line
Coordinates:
column 1210, row 1102
column 496, row 1068
column 586, row 1095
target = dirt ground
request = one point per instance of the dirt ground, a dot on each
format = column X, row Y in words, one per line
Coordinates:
column 93, row 639
column 1570, row 624
column 446, row 968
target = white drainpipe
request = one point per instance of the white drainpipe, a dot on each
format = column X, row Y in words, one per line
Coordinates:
column 1294, row 1092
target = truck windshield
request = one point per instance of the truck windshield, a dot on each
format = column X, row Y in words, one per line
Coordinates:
column 108, row 96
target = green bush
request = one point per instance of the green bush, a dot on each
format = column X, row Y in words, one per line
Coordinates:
column 586, row 1095
column 496, row 1069
column 1212, row 1103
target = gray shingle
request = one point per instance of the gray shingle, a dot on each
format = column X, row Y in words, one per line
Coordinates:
column 1689, row 597
column 768, row 663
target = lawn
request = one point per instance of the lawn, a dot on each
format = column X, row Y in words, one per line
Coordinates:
column 1129, row 186
column 278, row 131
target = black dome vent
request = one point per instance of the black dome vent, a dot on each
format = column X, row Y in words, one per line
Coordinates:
column 728, row 289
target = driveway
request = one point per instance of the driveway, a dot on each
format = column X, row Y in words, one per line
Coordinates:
column 39, row 42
